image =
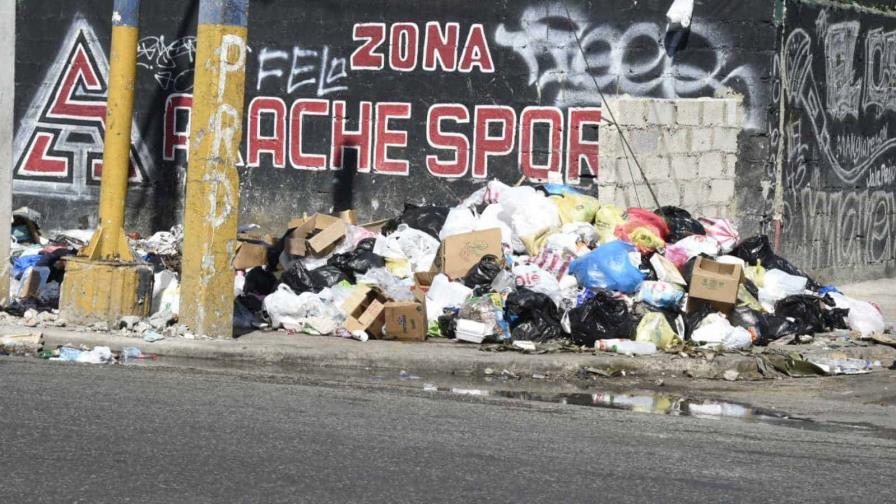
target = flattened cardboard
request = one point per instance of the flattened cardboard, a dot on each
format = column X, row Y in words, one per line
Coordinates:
column 422, row 283
column 251, row 252
column 371, row 320
column 405, row 321
column 375, row 226
column 334, row 232
column 714, row 283
column 461, row 252
column 30, row 288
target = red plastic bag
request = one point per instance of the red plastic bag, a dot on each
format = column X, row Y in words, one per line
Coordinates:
column 641, row 218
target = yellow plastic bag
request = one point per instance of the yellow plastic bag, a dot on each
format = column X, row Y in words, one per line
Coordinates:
column 398, row 267
column 606, row 219
column 645, row 239
column 654, row 328
column 576, row 207
column 755, row 274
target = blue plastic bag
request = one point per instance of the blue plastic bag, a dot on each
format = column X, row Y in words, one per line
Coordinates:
column 608, row 267
column 23, row 263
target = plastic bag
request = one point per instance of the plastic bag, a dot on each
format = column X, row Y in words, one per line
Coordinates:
column 301, row 280
column 684, row 250
column 415, row 246
column 758, row 250
column 606, row 219
column 660, row 294
column 654, row 328
column 483, row 273
column 805, row 310
column 357, row 262
column 488, row 310
column 284, row 306
column 532, row 316
column 554, row 260
column 642, row 218
column 259, row 282
column 778, row 285
column 665, row 270
column 576, row 207
column 863, row 316
column 723, row 230
column 610, row 267
column 603, row 316
column 487, row 195
column 428, row 219
column 390, row 284
column 536, row 279
column 531, row 216
column 679, row 14
column 715, row 330
column 681, row 223
column 443, row 293
column 460, row 220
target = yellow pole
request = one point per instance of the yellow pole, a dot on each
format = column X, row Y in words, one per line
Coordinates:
column 109, row 241
column 212, row 202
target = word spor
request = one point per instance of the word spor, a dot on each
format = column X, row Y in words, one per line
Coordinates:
column 458, row 141
column 441, row 48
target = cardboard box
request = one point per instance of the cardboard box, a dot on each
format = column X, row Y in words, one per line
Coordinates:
column 251, row 251
column 317, row 233
column 376, row 226
column 29, row 288
column 405, row 321
column 715, row 284
column 365, row 311
column 422, row 283
column 461, row 252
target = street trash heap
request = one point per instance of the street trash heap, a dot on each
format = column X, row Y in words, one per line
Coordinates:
column 526, row 267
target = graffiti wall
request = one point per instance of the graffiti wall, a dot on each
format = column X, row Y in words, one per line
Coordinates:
column 368, row 104
column 838, row 70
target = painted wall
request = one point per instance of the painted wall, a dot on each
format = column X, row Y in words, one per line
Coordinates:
column 839, row 139
column 445, row 95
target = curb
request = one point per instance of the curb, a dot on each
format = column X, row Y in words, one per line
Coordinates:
column 321, row 353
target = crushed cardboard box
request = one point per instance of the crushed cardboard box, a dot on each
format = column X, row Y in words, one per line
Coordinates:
column 460, row 252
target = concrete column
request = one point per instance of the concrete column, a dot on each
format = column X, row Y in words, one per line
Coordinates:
column 211, row 214
column 7, row 99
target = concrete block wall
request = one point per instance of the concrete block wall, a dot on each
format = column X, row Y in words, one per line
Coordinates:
column 687, row 149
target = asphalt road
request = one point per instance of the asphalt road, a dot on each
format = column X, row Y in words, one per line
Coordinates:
column 93, row 434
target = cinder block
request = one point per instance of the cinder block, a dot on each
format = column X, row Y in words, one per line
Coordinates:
column 730, row 168
column 714, row 112
column 725, row 139
column 711, row 165
column 606, row 193
column 644, row 142
column 731, row 113
column 701, row 139
column 675, row 140
column 668, row 193
column 721, row 190
column 629, row 111
column 656, row 168
column 684, row 168
column 661, row 112
column 693, row 193
column 689, row 112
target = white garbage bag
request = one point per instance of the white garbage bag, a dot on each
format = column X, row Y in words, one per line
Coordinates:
column 863, row 316
column 680, row 13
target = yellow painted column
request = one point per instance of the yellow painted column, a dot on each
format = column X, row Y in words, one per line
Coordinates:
column 109, row 241
column 211, row 213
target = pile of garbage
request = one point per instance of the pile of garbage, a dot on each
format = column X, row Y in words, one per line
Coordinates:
column 528, row 267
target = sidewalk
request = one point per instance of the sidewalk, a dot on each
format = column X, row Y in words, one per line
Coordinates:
column 298, row 353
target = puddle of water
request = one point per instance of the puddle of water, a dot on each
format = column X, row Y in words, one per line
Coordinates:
column 653, row 403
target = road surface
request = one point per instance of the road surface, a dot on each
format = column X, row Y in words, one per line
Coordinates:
column 94, row 434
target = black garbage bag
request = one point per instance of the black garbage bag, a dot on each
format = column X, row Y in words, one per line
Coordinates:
column 681, row 223
column 326, row 276
column 483, row 273
column 532, row 315
column 260, row 282
column 749, row 319
column 692, row 320
column 836, row 318
column 300, row 280
column 429, row 219
column 448, row 323
column 366, row 245
column 758, row 250
column 774, row 327
column 603, row 316
column 646, row 268
column 805, row 310
column 356, row 262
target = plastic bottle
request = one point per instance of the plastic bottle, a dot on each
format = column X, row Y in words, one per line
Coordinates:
column 624, row 346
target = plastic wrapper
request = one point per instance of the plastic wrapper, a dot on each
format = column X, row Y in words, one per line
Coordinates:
column 415, row 246
column 684, row 250
column 390, row 284
column 609, row 266
column 680, row 222
column 287, row 309
column 602, row 316
column 488, row 310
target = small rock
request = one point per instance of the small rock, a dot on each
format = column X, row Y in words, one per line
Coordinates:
column 60, row 322
column 30, row 313
column 162, row 319
column 152, row 337
column 31, row 322
column 100, row 326
column 141, row 327
column 731, row 375
column 509, row 374
column 489, row 371
column 537, row 376
column 46, row 317
column 189, row 335
column 659, row 383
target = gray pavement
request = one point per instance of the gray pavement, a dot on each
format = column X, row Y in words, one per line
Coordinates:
column 80, row 433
